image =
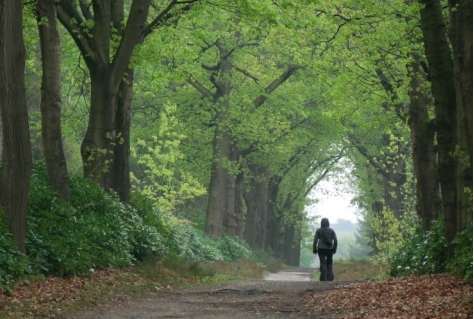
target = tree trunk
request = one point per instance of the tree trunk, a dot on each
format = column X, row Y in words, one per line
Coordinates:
column 422, row 134
column 262, row 201
column 275, row 228
column 288, row 235
column 438, row 53
column 16, row 170
column 121, row 170
column 231, row 218
column 98, row 144
column 51, row 102
column 233, row 221
column 219, row 208
column 218, row 184
column 460, row 34
column 291, row 246
column 257, row 207
column 239, row 208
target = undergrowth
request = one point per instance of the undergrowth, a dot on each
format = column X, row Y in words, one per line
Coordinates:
column 96, row 231
column 426, row 253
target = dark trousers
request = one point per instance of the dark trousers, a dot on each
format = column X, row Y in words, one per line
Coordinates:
column 325, row 264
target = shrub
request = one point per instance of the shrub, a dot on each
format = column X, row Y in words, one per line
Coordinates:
column 461, row 264
column 191, row 243
column 423, row 253
column 233, row 249
column 12, row 263
column 53, row 243
column 148, row 234
column 67, row 240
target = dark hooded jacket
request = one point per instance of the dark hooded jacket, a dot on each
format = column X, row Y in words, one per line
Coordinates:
column 320, row 237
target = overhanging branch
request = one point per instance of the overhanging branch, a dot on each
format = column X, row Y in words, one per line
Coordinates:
column 275, row 84
column 201, row 88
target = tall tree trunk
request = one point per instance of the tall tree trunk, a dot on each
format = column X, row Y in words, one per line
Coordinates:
column 262, row 205
column 218, row 184
column 121, row 170
column 1, row 136
column 98, row 144
column 230, row 217
column 460, row 34
column 288, row 237
column 422, row 135
column 273, row 240
column 291, row 246
column 16, row 170
column 438, row 53
column 233, row 221
column 218, row 208
column 239, row 208
column 257, row 207
column 51, row 99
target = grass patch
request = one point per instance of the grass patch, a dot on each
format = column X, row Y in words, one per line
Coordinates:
column 348, row 270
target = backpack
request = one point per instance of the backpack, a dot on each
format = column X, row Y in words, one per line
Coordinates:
column 325, row 239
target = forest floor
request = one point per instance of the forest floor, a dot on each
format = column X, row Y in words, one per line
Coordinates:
column 288, row 294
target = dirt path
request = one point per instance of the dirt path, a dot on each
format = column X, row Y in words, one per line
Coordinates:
column 281, row 295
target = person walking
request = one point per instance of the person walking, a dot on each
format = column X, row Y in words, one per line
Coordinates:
column 325, row 245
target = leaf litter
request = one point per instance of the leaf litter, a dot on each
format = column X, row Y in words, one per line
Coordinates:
column 426, row 296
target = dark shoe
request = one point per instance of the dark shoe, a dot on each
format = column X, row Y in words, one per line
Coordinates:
column 330, row 273
column 323, row 269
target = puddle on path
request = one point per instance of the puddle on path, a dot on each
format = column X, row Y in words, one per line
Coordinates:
column 299, row 274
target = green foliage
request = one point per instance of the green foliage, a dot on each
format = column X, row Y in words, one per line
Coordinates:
column 461, row 264
column 422, row 253
column 161, row 179
column 103, row 216
column 233, row 249
column 391, row 232
column 188, row 242
column 67, row 240
column 95, row 231
column 12, row 263
column 191, row 243
column 148, row 233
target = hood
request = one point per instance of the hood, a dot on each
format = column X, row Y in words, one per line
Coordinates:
column 324, row 222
